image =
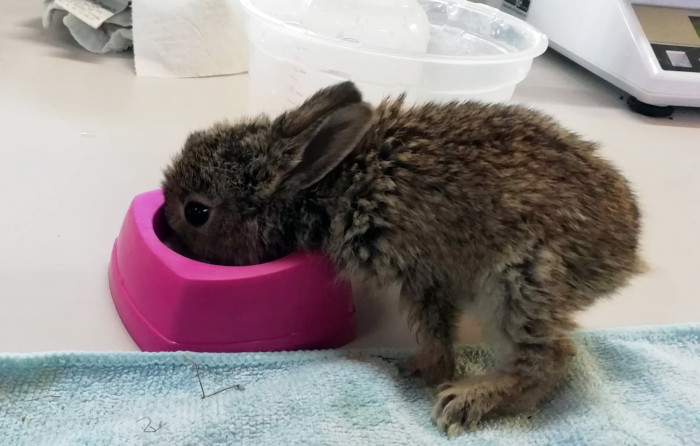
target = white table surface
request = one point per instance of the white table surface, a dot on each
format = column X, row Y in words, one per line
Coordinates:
column 80, row 135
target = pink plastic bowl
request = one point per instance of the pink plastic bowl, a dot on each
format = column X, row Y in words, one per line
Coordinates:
column 170, row 302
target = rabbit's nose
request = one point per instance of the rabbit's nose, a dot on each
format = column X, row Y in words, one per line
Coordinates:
column 196, row 213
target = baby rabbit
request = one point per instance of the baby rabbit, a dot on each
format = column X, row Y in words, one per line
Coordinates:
column 490, row 210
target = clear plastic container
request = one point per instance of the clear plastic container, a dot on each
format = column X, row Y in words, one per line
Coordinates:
column 451, row 50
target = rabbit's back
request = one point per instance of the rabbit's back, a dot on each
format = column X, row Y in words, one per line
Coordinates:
column 464, row 187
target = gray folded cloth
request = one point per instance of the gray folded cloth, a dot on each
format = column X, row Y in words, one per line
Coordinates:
column 99, row 26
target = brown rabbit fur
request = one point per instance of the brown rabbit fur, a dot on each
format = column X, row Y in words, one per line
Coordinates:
column 490, row 210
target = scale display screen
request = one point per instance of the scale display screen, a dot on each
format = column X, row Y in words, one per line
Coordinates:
column 674, row 35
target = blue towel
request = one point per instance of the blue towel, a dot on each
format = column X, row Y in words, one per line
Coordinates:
column 626, row 387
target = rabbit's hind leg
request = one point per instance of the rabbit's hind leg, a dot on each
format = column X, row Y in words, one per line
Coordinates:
column 529, row 331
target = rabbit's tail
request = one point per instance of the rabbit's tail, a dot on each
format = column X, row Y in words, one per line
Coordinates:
column 641, row 266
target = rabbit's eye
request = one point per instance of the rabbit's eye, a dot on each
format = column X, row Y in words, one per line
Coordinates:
column 196, row 213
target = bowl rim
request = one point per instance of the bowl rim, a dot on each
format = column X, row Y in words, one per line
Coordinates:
column 539, row 44
column 143, row 209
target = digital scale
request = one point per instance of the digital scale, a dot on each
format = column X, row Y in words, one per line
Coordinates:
column 648, row 48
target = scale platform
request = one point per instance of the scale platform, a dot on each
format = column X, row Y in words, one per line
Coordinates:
column 648, row 48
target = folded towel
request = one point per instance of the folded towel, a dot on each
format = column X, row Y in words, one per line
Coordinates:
column 101, row 27
column 625, row 387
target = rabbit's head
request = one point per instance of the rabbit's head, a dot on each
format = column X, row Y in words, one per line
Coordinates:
column 228, row 194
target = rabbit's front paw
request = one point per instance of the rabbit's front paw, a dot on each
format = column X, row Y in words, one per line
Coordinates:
column 434, row 366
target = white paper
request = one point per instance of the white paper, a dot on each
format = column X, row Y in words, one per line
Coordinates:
column 87, row 11
column 189, row 38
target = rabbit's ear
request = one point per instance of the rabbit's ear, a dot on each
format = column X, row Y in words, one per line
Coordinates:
column 316, row 107
column 324, row 145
